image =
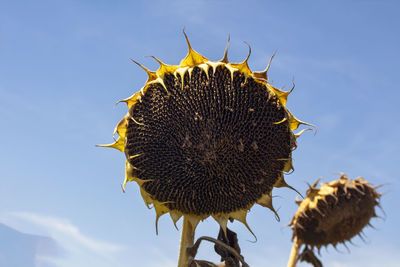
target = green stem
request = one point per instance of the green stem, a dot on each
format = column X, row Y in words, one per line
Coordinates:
column 187, row 240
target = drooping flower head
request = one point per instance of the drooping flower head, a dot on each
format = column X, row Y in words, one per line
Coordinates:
column 335, row 212
column 206, row 138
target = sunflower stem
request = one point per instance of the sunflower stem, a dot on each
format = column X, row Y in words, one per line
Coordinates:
column 187, row 240
column 294, row 253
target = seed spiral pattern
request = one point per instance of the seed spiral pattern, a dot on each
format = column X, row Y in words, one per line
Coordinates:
column 208, row 145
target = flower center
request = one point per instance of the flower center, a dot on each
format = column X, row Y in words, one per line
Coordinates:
column 214, row 143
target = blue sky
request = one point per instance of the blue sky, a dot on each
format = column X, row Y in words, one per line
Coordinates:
column 63, row 65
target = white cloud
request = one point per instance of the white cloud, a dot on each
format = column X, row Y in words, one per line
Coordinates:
column 79, row 248
column 61, row 226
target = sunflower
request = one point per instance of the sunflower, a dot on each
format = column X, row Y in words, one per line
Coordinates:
column 207, row 138
column 333, row 213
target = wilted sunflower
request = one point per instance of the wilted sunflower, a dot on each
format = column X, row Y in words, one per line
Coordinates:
column 206, row 138
column 333, row 213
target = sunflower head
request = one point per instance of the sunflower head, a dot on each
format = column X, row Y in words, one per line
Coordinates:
column 335, row 212
column 207, row 138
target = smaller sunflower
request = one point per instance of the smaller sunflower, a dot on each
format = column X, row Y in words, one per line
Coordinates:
column 333, row 213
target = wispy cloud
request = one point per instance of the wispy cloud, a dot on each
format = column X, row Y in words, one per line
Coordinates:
column 62, row 226
column 80, row 249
